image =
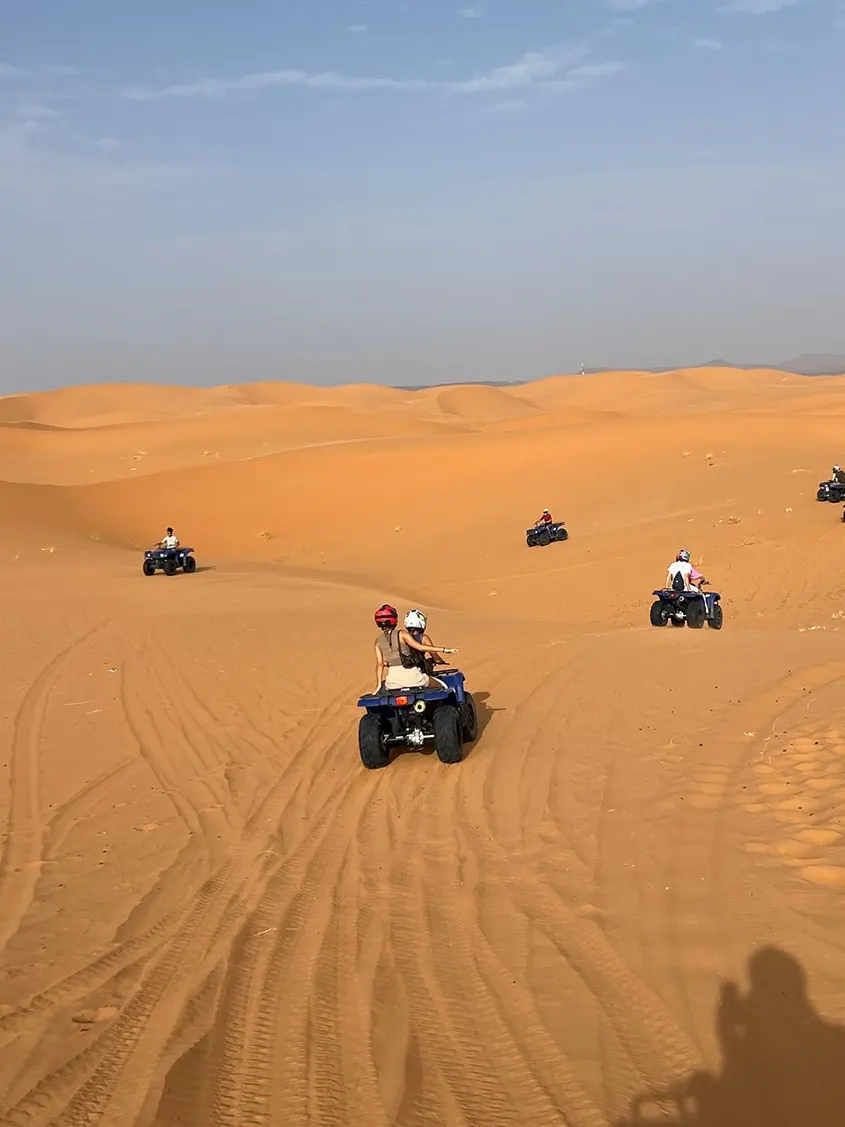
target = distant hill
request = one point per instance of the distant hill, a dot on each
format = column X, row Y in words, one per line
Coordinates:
column 808, row 364
column 815, row 364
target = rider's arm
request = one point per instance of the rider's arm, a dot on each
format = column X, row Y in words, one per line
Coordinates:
column 380, row 666
column 413, row 644
column 437, row 659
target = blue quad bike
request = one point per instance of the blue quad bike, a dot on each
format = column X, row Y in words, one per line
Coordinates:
column 831, row 491
column 416, row 717
column 168, row 560
column 679, row 607
column 544, row 534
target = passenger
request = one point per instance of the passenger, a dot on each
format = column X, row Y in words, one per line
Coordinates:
column 838, row 475
column 682, row 576
column 400, row 658
column 415, row 624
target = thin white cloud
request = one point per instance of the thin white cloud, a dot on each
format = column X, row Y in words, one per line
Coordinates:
column 587, row 75
column 7, row 70
column 49, row 179
column 708, row 44
column 511, row 105
column 757, row 7
column 33, row 108
column 597, row 70
column 631, row 5
column 544, row 68
column 357, row 28
column 471, row 13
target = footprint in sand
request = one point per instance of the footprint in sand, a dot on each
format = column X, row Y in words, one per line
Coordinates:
column 775, row 788
column 819, row 836
column 91, row 1017
column 822, row 784
column 789, row 817
column 830, row 876
column 796, row 803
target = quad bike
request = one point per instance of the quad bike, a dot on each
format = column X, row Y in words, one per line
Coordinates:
column 690, row 607
column 414, row 717
column 168, row 560
column 544, row 534
column 831, row 491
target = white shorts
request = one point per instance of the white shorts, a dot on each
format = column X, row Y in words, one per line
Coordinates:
column 400, row 678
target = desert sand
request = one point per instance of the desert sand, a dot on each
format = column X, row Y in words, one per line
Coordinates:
column 211, row 915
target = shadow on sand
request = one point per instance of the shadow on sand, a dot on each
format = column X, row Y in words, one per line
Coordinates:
column 783, row 1065
column 485, row 712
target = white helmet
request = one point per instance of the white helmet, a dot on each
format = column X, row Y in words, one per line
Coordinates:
column 415, row 620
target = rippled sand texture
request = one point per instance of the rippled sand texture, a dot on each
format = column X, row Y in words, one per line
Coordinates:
column 624, row 907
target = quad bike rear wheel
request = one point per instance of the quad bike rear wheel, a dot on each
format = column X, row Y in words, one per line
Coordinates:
column 715, row 623
column 657, row 614
column 374, row 754
column 190, row 564
column 447, row 734
column 696, row 615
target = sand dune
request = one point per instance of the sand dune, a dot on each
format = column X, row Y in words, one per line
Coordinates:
column 211, row 915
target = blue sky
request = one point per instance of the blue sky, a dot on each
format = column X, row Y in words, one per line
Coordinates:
column 403, row 191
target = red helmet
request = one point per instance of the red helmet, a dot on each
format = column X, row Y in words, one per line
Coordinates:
column 386, row 615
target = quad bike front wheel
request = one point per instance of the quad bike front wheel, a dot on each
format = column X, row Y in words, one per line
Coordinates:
column 170, row 567
column 469, row 719
column 543, row 539
column 149, row 567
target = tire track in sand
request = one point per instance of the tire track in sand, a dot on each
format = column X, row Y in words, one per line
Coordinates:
column 100, row 1080
column 263, row 1073
column 140, row 948
column 652, row 1039
column 19, row 868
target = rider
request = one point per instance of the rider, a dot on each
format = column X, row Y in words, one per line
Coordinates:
column 682, row 576
column 169, row 540
column 546, row 518
column 838, row 475
column 400, row 658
